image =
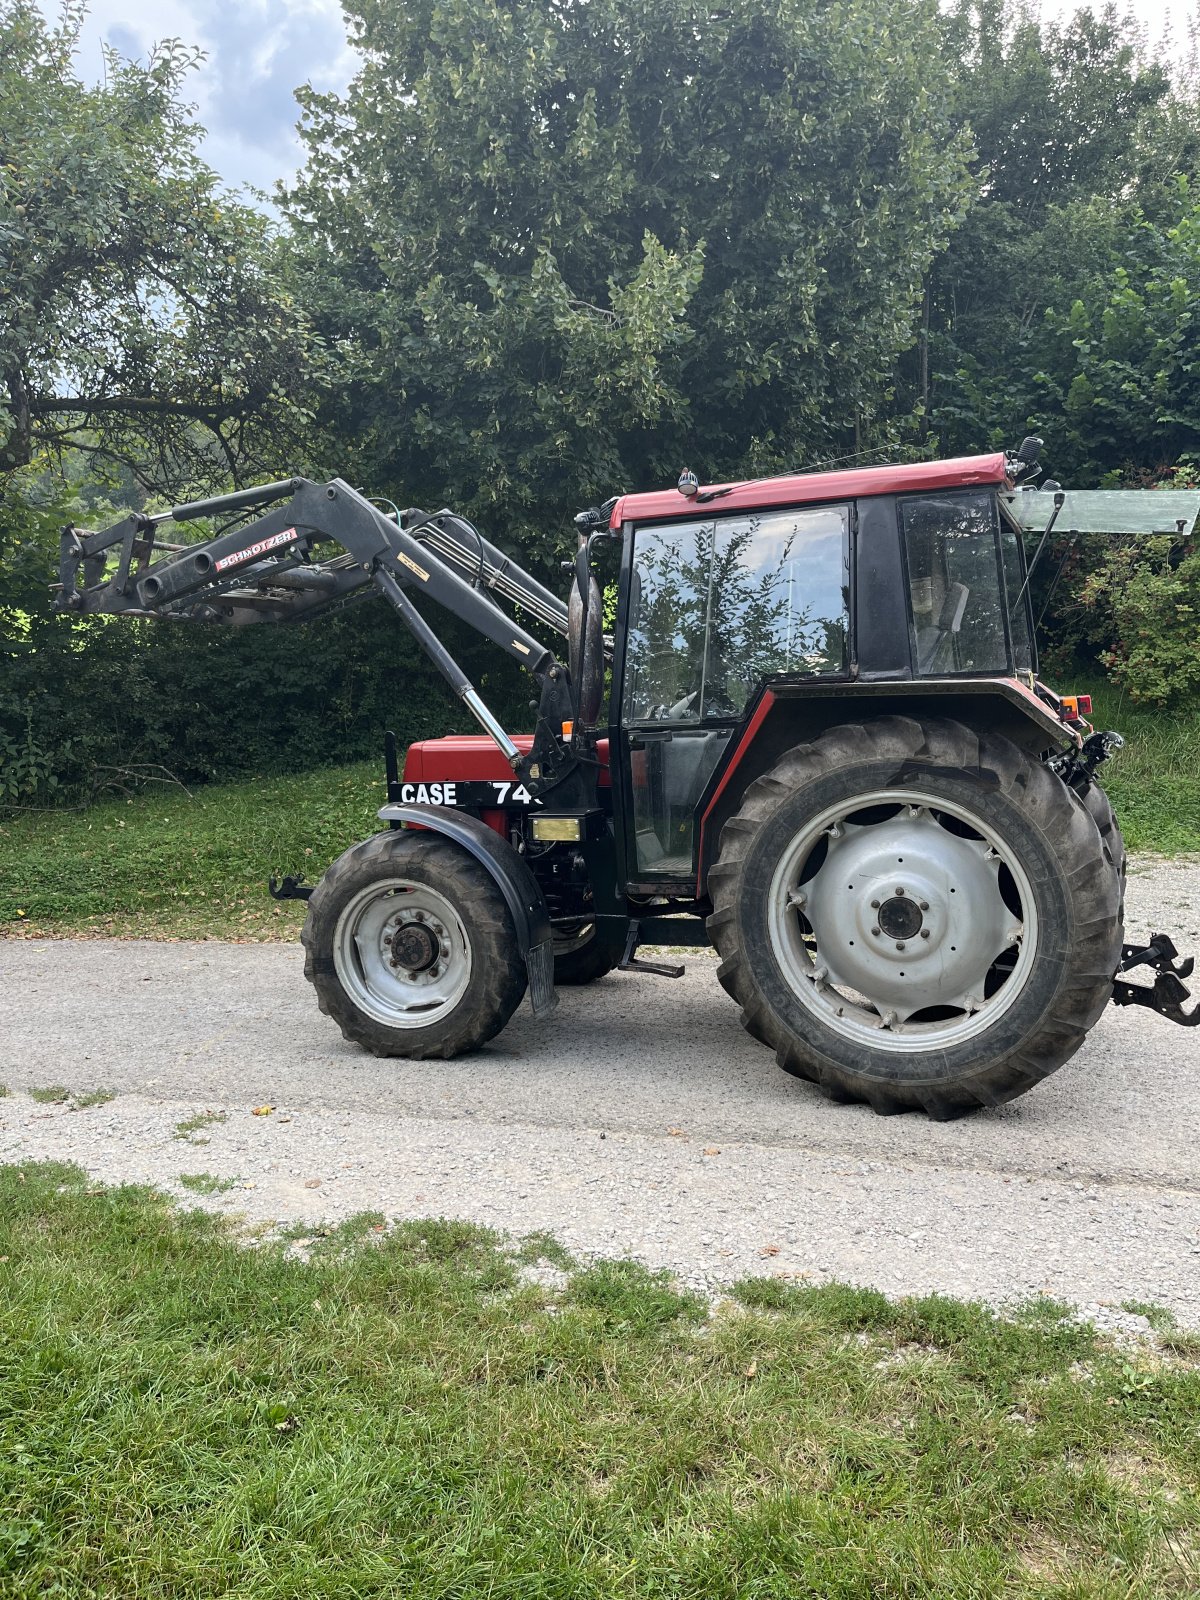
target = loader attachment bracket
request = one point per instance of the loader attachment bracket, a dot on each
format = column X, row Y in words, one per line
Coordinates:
column 1168, row 994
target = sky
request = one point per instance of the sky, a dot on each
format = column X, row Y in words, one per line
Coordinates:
column 259, row 50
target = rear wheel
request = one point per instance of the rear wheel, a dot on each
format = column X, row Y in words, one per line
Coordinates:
column 411, row 948
column 916, row 915
column 1099, row 808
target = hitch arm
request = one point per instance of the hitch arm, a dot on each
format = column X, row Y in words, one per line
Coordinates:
column 1168, row 994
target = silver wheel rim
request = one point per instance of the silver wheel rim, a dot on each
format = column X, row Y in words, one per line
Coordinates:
column 902, row 921
column 402, row 954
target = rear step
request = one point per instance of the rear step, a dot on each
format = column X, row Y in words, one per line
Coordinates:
column 630, row 963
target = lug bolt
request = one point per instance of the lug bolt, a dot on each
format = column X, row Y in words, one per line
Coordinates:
column 924, row 905
column 899, row 891
column 875, row 931
column 899, row 944
column 924, row 933
column 874, row 905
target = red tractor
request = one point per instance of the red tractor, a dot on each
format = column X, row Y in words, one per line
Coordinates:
column 814, row 739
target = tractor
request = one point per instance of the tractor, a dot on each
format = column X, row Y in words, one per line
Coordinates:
column 812, row 735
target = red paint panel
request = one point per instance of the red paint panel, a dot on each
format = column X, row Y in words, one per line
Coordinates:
column 807, row 488
column 472, row 757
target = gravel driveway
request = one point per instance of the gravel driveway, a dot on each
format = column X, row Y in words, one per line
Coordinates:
column 638, row 1120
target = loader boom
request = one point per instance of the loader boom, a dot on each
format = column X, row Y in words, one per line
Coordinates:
column 276, row 567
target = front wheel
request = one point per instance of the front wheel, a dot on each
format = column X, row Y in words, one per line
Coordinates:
column 411, row 948
column 916, row 915
column 582, row 954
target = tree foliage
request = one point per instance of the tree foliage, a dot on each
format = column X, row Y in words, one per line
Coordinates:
column 577, row 247
column 543, row 251
column 1064, row 303
column 144, row 315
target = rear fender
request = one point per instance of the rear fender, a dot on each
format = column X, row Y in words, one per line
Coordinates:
column 788, row 714
column 512, row 877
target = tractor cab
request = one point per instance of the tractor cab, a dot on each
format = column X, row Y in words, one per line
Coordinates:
column 783, row 597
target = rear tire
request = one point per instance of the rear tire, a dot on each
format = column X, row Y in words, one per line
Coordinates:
column 411, row 948
column 1099, row 808
column 965, row 919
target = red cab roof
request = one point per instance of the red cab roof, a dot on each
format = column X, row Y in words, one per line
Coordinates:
column 804, row 488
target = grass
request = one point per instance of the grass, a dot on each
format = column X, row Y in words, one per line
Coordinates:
column 163, row 865
column 199, row 1123
column 56, row 1095
column 206, row 1183
column 181, row 1416
column 92, row 1097
column 1154, row 783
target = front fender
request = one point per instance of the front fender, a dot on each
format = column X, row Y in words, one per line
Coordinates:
column 512, row 876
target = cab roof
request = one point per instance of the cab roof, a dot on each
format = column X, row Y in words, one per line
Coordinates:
column 806, row 488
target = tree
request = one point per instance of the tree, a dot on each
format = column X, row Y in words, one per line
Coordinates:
column 576, row 247
column 144, row 316
column 1082, row 139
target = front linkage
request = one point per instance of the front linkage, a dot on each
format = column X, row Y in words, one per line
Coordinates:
column 265, row 570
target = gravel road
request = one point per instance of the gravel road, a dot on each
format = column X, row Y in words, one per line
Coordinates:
column 638, row 1120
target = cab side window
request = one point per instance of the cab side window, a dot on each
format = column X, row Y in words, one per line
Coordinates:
column 955, row 585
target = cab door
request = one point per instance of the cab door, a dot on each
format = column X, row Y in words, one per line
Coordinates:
column 712, row 607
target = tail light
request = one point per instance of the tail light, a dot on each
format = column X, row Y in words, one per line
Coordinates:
column 1075, row 707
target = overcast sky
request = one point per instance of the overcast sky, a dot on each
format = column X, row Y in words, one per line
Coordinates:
column 259, row 50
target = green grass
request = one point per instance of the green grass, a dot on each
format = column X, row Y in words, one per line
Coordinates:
column 56, row 1095
column 206, row 1183
column 92, row 1097
column 1154, row 783
column 169, row 866
column 164, row 864
column 536, row 1248
column 184, row 1417
column 199, row 1123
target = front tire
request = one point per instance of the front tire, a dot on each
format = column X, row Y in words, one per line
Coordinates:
column 916, row 915
column 411, row 948
column 581, row 954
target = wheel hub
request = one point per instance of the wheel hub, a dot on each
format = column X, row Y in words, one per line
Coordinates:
column 414, row 947
column 900, row 917
column 402, row 952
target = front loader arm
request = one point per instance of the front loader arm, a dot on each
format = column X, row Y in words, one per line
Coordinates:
column 275, row 568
